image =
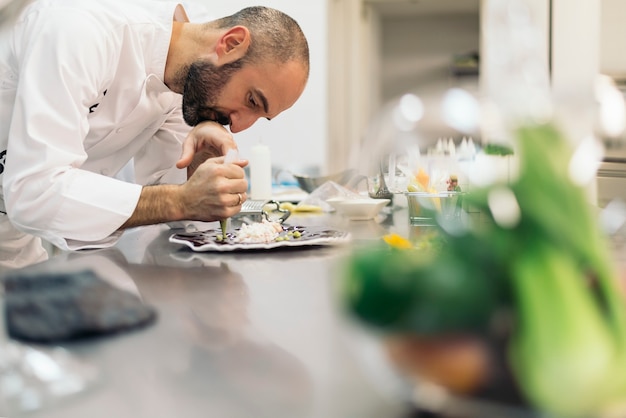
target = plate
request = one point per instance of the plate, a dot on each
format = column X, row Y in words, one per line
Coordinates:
column 309, row 236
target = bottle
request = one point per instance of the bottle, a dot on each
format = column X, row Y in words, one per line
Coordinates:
column 260, row 172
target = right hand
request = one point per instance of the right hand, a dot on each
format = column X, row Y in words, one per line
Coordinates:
column 212, row 192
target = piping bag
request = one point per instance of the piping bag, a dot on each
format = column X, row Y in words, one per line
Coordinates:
column 231, row 156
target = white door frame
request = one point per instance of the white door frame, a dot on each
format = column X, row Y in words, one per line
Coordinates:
column 354, row 82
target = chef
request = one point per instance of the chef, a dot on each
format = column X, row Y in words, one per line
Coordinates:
column 92, row 88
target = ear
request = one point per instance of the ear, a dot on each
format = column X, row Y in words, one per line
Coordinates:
column 232, row 45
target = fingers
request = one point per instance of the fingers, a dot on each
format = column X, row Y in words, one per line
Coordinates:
column 216, row 190
column 227, row 204
column 220, row 160
column 241, row 163
column 229, row 171
column 209, row 137
column 189, row 149
column 241, row 197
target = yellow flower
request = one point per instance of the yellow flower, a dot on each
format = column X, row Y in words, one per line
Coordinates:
column 396, row 241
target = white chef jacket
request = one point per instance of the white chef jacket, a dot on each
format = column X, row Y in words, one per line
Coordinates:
column 81, row 94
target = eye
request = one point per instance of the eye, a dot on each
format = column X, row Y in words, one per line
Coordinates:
column 252, row 101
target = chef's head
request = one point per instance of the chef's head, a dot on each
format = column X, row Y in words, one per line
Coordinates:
column 259, row 68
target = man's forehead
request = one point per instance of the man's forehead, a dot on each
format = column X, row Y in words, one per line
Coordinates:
column 283, row 85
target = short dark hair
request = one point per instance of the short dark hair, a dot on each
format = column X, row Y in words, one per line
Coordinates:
column 275, row 35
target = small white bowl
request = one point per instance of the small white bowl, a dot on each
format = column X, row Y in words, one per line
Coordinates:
column 358, row 209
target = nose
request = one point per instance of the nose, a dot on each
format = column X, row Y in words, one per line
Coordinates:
column 240, row 122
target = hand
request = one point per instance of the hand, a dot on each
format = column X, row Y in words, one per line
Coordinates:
column 206, row 140
column 213, row 191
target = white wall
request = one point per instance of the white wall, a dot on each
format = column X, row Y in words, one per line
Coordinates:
column 298, row 137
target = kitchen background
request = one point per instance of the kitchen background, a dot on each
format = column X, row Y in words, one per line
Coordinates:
column 366, row 52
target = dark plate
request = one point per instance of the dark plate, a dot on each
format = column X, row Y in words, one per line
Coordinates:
column 310, row 236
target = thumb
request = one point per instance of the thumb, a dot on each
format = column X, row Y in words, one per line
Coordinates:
column 189, row 149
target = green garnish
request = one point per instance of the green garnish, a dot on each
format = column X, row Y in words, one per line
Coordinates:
column 497, row 149
column 224, row 227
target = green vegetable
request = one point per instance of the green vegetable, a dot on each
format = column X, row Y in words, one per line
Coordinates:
column 378, row 285
column 564, row 352
column 552, row 269
column 570, row 316
column 424, row 290
column 571, row 336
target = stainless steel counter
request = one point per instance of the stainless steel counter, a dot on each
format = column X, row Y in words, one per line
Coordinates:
column 245, row 334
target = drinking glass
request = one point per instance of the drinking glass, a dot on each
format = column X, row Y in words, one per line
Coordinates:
column 32, row 377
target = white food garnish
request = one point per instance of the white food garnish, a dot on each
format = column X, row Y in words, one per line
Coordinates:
column 259, row 232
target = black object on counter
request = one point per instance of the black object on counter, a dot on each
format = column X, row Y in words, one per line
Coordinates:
column 53, row 307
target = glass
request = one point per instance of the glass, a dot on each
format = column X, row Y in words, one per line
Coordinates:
column 430, row 208
column 32, row 378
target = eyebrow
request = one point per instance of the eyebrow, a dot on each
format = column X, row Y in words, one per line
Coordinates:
column 263, row 100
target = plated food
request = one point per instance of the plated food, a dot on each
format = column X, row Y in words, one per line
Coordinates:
column 259, row 232
column 260, row 236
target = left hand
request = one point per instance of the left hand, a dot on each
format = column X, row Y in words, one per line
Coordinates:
column 206, row 140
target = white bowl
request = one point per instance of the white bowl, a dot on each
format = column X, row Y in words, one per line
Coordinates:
column 358, row 209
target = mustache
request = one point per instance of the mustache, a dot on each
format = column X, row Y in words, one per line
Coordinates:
column 222, row 119
column 194, row 116
column 214, row 116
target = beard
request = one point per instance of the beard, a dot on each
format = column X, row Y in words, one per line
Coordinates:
column 203, row 86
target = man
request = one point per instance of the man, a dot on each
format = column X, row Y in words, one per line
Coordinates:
column 88, row 85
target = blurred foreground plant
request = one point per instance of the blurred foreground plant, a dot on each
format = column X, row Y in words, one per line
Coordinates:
column 540, row 256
